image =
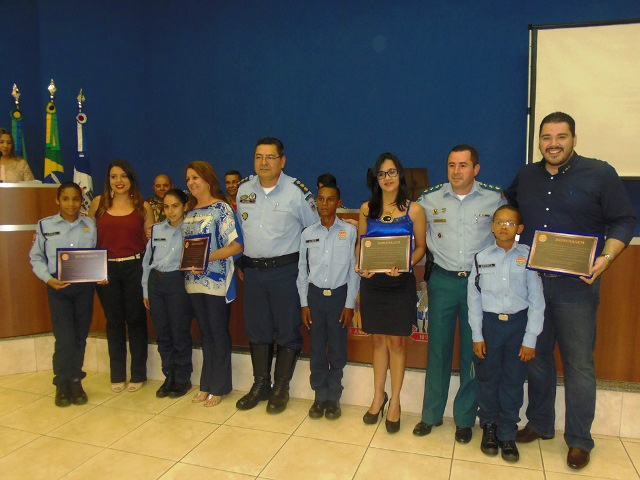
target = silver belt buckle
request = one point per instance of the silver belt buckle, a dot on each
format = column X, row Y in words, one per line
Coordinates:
column 503, row 316
column 462, row 274
column 327, row 293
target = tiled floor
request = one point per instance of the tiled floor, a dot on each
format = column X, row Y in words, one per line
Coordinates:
column 136, row 436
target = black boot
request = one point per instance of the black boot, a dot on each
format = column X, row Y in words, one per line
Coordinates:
column 261, row 358
column 285, row 364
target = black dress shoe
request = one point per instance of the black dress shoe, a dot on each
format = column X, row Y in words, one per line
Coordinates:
column 421, row 429
column 528, row 435
column 166, row 387
column 509, row 451
column 489, row 444
column 463, row 434
column 577, row 458
column 63, row 396
column 393, row 427
column 332, row 410
column 179, row 389
column 372, row 418
column 77, row 393
column 316, row 410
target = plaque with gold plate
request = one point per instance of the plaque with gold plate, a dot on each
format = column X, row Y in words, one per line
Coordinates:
column 195, row 252
column 381, row 254
column 79, row 265
column 563, row 253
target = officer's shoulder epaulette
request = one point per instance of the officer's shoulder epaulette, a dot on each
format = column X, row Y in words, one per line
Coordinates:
column 494, row 188
column 301, row 186
column 435, row 188
column 245, row 179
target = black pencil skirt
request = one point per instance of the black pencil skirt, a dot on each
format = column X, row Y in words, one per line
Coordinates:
column 388, row 305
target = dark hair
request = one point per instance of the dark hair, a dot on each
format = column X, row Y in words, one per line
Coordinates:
column 4, row 131
column 326, row 179
column 510, row 208
column 475, row 158
column 559, row 117
column 208, row 174
column 179, row 194
column 65, row 185
column 134, row 193
column 375, row 202
column 272, row 141
column 332, row 186
column 233, row 172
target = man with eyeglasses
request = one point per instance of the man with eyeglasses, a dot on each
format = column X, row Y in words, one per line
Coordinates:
column 273, row 208
column 459, row 217
column 568, row 192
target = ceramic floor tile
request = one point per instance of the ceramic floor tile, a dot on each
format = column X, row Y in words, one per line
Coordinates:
column 438, row 443
column 144, row 400
column 238, row 450
column 529, row 453
column 461, row 470
column 633, row 450
column 45, row 458
column 307, row 458
column 4, row 379
column 378, row 463
column 349, row 428
column 185, row 408
column 11, row 439
column 11, row 400
column 165, row 437
column 630, row 439
column 113, row 464
column 569, row 476
column 609, row 459
column 182, row 471
column 38, row 383
column 630, row 420
column 101, row 426
column 98, row 388
column 286, row 422
column 42, row 416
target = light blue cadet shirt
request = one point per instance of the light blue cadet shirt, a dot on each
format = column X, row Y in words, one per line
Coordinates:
column 54, row 232
column 163, row 253
column 458, row 229
column 272, row 222
column 331, row 260
column 507, row 287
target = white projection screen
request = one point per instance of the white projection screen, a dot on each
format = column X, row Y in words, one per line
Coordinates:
column 591, row 72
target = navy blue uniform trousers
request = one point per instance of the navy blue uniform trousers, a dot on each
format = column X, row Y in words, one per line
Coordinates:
column 71, row 311
column 328, row 342
column 172, row 313
column 500, row 376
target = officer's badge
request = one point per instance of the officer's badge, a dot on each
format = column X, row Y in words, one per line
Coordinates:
column 444, row 210
column 435, row 211
column 245, row 215
column 521, row 261
column 342, row 235
column 85, row 229
column 252, row 196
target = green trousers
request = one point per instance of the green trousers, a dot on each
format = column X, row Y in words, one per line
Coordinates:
column 447, row 304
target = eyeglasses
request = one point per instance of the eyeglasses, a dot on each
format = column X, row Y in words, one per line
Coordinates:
column 392, row 172
column 269, row 158
column 506, row 224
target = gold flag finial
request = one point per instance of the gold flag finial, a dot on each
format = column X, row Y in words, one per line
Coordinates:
column 15, row 93
column 52, row 89
column 81, row 99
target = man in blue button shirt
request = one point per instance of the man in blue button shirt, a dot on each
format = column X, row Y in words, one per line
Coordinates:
column 273, row 208
column 568, row 192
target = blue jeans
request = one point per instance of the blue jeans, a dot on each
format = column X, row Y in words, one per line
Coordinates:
column 570, row 320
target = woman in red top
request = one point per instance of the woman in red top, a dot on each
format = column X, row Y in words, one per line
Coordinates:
column 122, row 218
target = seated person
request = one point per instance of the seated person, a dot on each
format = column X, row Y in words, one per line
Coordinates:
column 13, row 168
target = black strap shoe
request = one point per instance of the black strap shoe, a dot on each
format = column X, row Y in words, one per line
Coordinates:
column 421, row 429
column 63, row 395
column 463, row 434
column 179, row 389
column 489, row 444
column 285, row 364
column 332, row 410
column 261, row 358
column 510, row 451
column 316, row 410
column 166, row 387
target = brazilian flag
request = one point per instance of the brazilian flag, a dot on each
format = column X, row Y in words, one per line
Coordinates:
column 53, row 168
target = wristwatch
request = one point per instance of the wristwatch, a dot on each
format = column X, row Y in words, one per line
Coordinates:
column 607, row 256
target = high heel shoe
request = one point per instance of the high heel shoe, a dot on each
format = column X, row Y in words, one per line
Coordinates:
column 393, row 427
column 372, row 418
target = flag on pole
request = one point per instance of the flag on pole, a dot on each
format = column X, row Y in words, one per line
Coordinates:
column 16, row 125
column 82, row 168
column 53, row 168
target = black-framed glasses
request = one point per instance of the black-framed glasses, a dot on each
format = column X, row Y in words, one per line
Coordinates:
column 269, row 158
column 392, row 172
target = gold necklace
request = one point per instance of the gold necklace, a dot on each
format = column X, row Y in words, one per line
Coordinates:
column 387, row 217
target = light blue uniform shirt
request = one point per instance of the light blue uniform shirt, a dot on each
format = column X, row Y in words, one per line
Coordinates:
column 166, row 246
column 332, row 260
column 458, row 229
column 271, row 223
column 507, row 287
column 54, row 232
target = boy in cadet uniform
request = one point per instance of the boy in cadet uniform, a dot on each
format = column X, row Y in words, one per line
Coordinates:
column 327, row 284
column 506, row 313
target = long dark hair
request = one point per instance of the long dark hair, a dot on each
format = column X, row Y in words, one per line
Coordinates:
column 134, row 192
column 375, row 202
column 207, row 173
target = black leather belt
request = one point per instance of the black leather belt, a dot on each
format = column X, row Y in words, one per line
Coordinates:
column 262, row 263
column 452, row 273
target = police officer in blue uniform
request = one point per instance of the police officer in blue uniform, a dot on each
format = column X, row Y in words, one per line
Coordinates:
column 459, row 226
column 273, row 208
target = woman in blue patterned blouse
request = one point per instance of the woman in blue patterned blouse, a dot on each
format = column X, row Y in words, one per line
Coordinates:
column 213, row 289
